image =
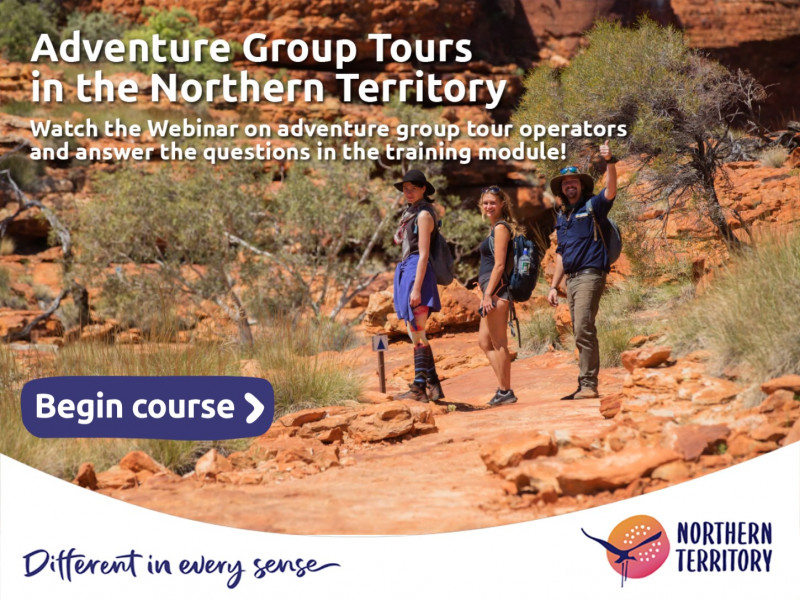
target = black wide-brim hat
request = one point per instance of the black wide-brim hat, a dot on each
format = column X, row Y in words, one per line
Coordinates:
column 416, row 177
column 587, row 182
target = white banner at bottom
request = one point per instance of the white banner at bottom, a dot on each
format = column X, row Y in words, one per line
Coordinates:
column 736, row 531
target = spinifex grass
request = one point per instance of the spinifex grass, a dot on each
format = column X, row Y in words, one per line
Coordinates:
column 302, row 373
column 540, row 332
column 749, row 316
column 299, row 382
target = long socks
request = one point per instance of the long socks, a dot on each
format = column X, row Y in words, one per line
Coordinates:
column 424, row 365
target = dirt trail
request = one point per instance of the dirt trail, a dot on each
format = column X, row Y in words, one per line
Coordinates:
column 426, row 484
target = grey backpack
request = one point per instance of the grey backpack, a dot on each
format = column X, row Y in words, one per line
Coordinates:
column 609, row 235
column 441, row 258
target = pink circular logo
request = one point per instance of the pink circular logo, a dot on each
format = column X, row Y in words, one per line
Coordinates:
column 636, row 547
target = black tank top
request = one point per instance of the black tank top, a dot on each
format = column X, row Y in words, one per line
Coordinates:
column 487, row 258
column 411, row 240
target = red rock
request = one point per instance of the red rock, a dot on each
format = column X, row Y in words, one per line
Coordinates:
column 379, row 306
column 211, row 464
column 382, row 421
column 645, row 357
column 86, row 476
column 241, row 460
column 563, row 320
column 793, row 435
column 611, row 472
column 611, row 405
column 510, row 452
column 137, row 461
column 459, row 307
column 793, row 161
column 373, row 397
column 329, row 429
column 166, row 480
column 291, row 453
column 716, row 391
column 743, row 446
column 304, row 416
column 778, row 400
column 116, row 478
column 249, row 477
column 786, row 382
column 674, row 472
column 769, row 433
column 690, row 441
column 536, row 477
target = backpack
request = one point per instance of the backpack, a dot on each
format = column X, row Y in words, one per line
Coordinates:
column 440, row 256
column 609, row 235
column 520, row 281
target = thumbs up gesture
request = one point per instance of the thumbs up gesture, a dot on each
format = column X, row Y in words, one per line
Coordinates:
column 605, row 151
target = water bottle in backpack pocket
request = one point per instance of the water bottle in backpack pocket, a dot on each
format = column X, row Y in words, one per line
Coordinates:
column 522, row 266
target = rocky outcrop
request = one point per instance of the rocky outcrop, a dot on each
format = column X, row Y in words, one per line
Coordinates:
column 133, row 470
column 672, row 422
column 459, row 310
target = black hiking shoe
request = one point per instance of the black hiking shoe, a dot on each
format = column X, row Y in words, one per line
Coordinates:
column 435, row 392
column 501, row 398
column 416, row 392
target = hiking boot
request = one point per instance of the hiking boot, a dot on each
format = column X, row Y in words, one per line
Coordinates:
column 416, row 391
column 586, row 392
column 435, row 392
column 501, row 398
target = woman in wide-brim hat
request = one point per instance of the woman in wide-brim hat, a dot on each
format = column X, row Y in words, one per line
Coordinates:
column 415, row 293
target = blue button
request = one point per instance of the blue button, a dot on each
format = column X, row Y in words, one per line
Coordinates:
column 169, row 408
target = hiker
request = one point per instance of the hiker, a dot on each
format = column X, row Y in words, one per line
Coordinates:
column 495, row 251
column 581, row 255
column 415, row 293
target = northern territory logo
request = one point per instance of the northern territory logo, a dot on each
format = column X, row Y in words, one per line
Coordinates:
column 636, row 547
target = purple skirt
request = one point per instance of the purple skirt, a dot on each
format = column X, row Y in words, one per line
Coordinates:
column 404, row 276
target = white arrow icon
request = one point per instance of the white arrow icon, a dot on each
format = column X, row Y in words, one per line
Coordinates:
column 258, row 408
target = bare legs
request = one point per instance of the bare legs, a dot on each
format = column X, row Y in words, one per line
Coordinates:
column 493, row 340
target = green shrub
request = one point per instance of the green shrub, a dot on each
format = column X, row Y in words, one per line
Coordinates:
column 22, row 170
column 176, row 24
column 748, row 317
column 23, row 22
column 7, row 296
column 674, row 102
column 95, row 26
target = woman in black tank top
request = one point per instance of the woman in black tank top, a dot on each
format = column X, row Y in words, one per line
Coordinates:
column 493, row 278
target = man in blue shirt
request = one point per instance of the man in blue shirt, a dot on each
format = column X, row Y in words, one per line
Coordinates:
column 582, row 256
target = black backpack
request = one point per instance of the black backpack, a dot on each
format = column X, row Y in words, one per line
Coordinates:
column 440, row 257
column 521, row 281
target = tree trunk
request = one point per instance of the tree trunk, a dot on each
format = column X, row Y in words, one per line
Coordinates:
column 717, row 215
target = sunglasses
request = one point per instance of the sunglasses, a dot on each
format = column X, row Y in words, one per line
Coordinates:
column 491, row 189
column 570, row 169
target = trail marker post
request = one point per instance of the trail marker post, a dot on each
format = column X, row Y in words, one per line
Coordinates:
column 380, row 343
